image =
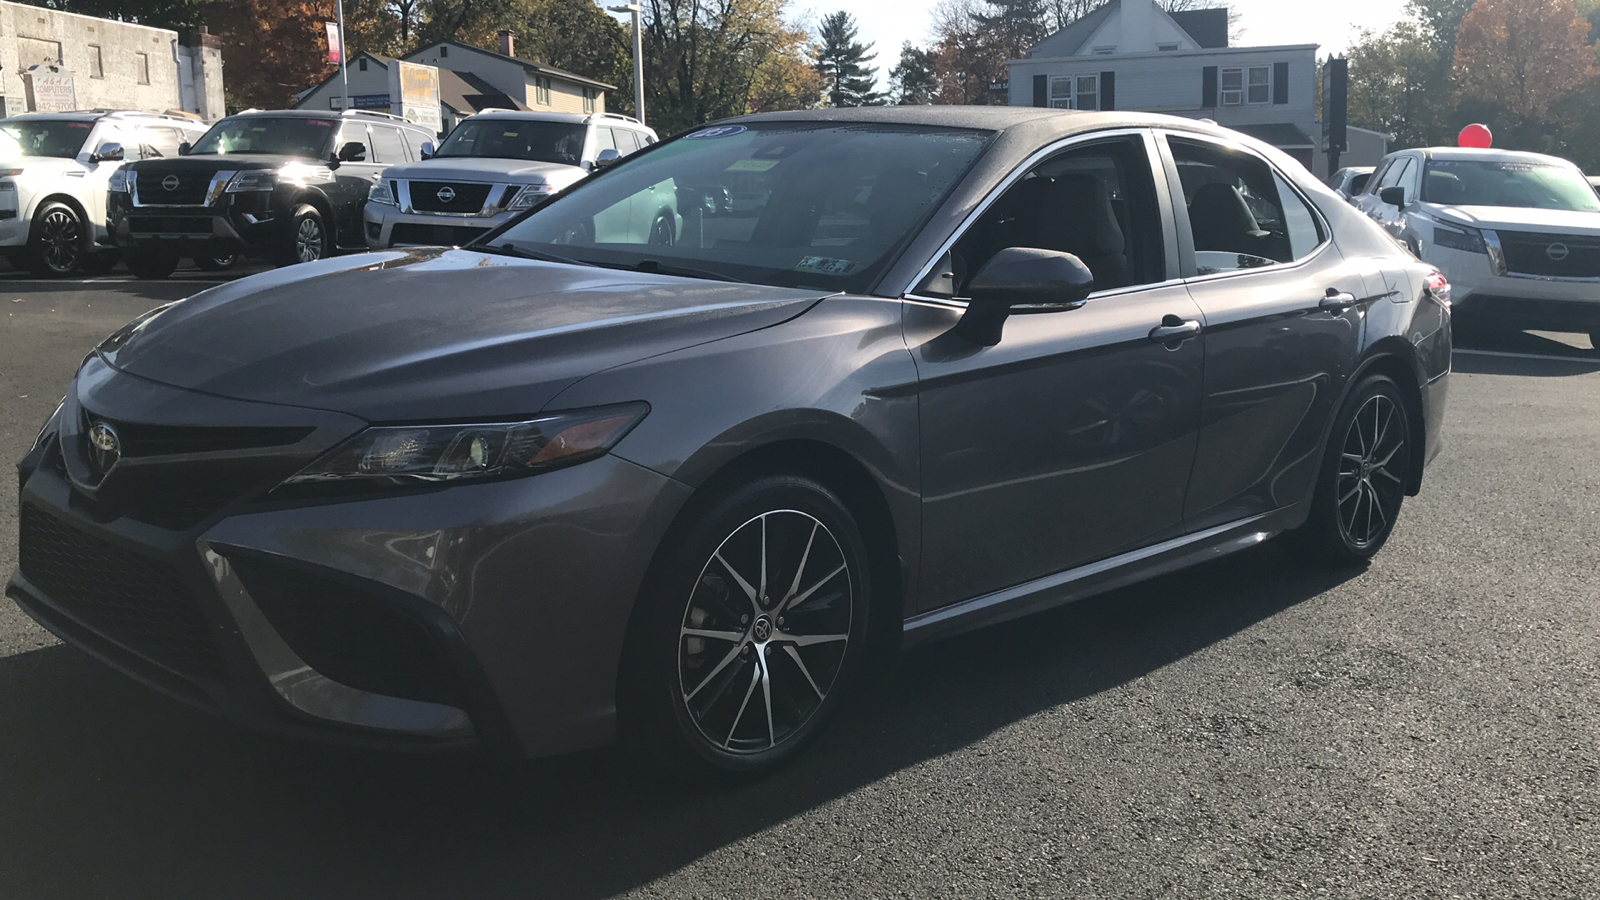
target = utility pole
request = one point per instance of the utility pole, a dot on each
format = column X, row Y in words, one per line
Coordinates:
column 638, row 54
column 344, row 62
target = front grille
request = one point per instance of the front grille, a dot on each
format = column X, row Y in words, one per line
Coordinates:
column 443, row 235
column 187, row 188
column 1529, row 253
column 140, row 439
column 350, row 635
column 463, row 198
column 131, row 600
column 169, row 224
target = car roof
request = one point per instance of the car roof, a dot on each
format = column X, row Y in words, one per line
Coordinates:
column 1057, row 122
column 568, row 118
column 1467, row 153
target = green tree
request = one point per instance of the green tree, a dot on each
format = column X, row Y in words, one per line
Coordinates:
column 1442, row 19
column 706, row 59
column 1400, row 86
column 1524, row 55
column 842, row 61
column 914, row 81
column 1012, row 25
column 578, row 36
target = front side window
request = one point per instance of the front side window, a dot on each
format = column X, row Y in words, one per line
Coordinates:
column 272, row 135
column 43, row 137
column 1075, row 92
column 1242, row 213
column 552, row 142
column 1519, row 183
column 820, row 206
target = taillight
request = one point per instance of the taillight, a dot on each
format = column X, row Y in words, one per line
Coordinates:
column 1439, row 287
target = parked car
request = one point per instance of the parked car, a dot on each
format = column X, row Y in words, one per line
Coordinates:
column 571, row 482
column 1594, row 182
column 287, row 185
column 1349, row 181
column 492, row 166
column 1517, row 234
column 54, row 170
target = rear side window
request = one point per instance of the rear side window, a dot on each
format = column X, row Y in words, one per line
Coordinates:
column 387, row 146
column 1242, row 213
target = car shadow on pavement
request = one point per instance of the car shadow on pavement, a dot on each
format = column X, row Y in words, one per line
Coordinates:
column 109, row 790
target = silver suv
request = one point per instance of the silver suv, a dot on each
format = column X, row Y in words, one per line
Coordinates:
column 54, row 172
column 491, row 167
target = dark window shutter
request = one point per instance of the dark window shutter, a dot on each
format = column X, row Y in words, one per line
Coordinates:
column 1280, row 83
column 1108, row 90
column 1208, row 87
column 1041, row 90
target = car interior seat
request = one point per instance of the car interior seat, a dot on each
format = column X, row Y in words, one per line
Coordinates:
column 1222, row 221
column 1078, row 217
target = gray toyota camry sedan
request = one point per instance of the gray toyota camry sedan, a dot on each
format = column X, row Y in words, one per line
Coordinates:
column 673, row 455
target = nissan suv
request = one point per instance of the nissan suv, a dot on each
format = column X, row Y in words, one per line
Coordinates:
column 287, row 185
column 492, row 166
column 54, row 170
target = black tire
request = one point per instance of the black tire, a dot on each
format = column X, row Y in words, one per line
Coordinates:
column 761, row 672
column 150, row 264
column 58, row 242
column 217, row 263
column 1365, row 471
column 307, row 239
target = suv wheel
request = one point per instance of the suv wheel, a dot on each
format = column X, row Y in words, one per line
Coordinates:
column 308, row 237
column 58, row 242
column 219, row 262
column 662, row 231
column 150, row 264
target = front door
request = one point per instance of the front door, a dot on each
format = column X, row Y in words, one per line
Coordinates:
column 352, row 180
column 1072, row 438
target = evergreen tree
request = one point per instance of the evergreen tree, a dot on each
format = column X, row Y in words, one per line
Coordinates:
column 842, row 61
column 914, row 81
column 1013, row 25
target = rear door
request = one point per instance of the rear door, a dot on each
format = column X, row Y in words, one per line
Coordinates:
column 352, row 180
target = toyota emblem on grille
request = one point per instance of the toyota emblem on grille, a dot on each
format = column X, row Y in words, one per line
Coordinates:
column 104, row 446
column 1557, row 251
column 170, row 182
column 446, row 194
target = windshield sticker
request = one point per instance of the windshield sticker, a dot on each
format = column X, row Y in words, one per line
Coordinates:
column 826, row 265
column 82, row 126
column 721, row 131
column 752, row 165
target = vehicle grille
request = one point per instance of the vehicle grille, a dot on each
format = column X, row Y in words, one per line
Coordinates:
column 468, row 198
column 443, row 235
column 140, row 439
column 1529, row 253
column 133, row 601
column 190, row 189
column 169, row 224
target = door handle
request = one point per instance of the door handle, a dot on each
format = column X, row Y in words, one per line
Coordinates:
column 1338, row 301
column 1174, row 330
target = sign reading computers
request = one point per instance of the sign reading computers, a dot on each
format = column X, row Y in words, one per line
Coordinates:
column 414, row 94
column 48, row 91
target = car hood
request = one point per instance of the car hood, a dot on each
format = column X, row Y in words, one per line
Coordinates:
column 432, row 334
column 216, row 162
column 476, row 168
column 1512, row 218
column 42, row 165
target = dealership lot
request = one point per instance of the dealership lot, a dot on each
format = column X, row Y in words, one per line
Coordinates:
column 1427, row 728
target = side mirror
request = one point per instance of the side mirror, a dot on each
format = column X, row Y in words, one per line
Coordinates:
column 1394, row 196
column 110, row 151
column 607, row 157
column 1022, row 277
column 184, row 148
column 428, row 149
column 353, row 151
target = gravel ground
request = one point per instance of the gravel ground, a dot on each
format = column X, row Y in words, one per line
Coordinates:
column 1429, row 727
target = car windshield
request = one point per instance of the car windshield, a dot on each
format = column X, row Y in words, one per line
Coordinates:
column 62, row 138
column 1520, row 183
column 273, row 135
column 788, row 204
column 552, row 142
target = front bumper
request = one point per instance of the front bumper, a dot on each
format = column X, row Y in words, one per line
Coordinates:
column 1521, row 301
column 496, row 611
column 13, row 227
column 386, row 226
column 241, row 223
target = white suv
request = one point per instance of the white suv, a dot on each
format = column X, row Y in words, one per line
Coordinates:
column 1517, row 234
column 492, row 166
column 54, row 170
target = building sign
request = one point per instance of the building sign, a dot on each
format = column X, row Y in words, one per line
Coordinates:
column 49, row 91
column 1000, row 87
column 414, row 94
column 363, row 101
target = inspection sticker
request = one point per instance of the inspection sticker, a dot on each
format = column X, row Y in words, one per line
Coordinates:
column 752, row 165
column 720, row 131
column 826, row 265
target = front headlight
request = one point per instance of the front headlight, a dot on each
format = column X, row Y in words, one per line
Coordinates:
column 412, row 454
column 1458, row 237
column 253, row 180
column 380, row 193
column 121, row 181
column 531, row 195
column 50, row 425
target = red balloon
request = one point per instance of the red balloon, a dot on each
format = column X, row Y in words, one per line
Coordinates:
column 1476, row 137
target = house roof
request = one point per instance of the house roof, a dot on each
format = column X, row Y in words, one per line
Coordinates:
column 1208, row 27
column 466, row 93
column 1278, row 134
column 529, row 65
column 1069, row 40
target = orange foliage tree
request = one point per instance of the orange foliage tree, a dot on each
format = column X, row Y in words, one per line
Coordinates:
column 1523, row 56
column 273, row 49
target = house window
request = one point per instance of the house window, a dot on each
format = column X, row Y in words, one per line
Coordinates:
column 541, row 91
column 589, row 95
column 97, row 62
column 1166, row 48
column 1075, row 92
column 362, row 63
column 141, row 67
column 1259, row 87
column 1246, row 85
column 444, row 50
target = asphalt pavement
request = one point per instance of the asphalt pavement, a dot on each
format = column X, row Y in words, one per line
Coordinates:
column 1428, row 727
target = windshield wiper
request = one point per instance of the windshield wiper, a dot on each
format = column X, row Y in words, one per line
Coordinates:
column 657, row 267
column 523, row 253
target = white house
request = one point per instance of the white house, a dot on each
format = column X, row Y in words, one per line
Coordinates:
column 538, row 86
column 1132, row 54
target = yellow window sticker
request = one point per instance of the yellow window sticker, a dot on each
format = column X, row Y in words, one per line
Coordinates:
column 752, row 165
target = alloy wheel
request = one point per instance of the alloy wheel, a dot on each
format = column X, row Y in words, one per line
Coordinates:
column 60, row 240
column 661, row 232
column 1371, row 483
column 765, row 632
column 308, row 240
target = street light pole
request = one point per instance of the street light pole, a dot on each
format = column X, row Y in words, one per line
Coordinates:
column 638, row 55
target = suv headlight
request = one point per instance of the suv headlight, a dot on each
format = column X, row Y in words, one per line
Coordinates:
column 413, row 454
column 51, row 425
column 380, row 193
column 121, row 181
column 531, row 195
column 1458, row 237
column 253, row 180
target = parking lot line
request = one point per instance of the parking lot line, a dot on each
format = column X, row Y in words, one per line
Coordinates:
column 1546, row 356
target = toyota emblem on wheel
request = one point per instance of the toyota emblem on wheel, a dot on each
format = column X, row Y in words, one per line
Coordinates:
column 1557, row 251
column 104, row 446
column 446, row 194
